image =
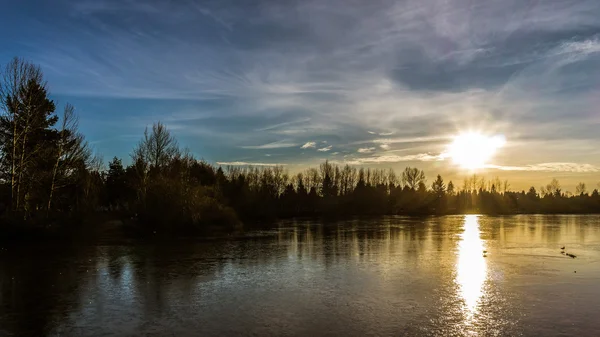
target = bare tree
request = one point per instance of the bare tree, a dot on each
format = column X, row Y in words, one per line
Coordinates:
column 13, row 78
column 412, row 177
column 72, row 151
column 391, row 178
column 580, row 189
column 27, row 114
column 505, row 186
column 162, row 146
column 154, row 151
column 552, row 189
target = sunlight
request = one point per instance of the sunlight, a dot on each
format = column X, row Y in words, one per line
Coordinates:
column 471, row 265
column 472, row 150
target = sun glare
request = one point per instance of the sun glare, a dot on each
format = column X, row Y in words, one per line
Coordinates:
column 473, row 150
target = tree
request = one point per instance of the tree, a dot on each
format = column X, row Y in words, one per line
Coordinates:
column 438, row 186
column 532, row 193
column 116, row 182
column 25, row 131
column 14, row 77
column 152, row 153
column 71, row 151
column 413, row 177
column 161, row 146
column 301, row 190
column 328, row 188
column 505, row 186
column 553, row 188
column 580, row 189
column 450, row 188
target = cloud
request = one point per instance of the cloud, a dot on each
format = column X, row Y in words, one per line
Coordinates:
column 584, row 47
column 425, row 157
column 280, row 125
column 423, row 68
column 550, row 167
column 366, row 150
column 308, row 145
column 273, row 145
column 401, row 140
column 242, row 163
column 325, row 149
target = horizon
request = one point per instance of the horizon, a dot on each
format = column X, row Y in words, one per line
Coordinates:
column 380, row 84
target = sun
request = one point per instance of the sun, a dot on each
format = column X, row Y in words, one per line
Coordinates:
column 472, row 150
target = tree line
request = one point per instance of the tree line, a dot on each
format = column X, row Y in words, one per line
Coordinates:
column 48, row 171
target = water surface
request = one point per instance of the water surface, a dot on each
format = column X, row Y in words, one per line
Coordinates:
column 384, row 277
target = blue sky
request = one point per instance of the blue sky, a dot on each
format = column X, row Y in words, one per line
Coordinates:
column 378, row 83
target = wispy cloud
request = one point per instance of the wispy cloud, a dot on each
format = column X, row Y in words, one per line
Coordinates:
column 280, row 125
column 273, row 145
column 366, row 150
column 421, row 157
column 422, row 69
column 584, row 47
column 243, row 163
column 325, row 149
column 308, row 145
column 550, row 167
column 404, row 140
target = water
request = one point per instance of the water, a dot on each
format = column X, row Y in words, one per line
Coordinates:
column 386, row 277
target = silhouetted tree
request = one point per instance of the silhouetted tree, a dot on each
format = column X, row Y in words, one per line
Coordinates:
column 438, row 186
column 580, row 189
column 450, row 188
column 413, row 177
column 52, row 170
column 26, row 133
column 117, row 184
column 71, row 152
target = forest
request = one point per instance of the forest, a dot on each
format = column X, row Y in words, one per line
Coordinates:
column 50, row 175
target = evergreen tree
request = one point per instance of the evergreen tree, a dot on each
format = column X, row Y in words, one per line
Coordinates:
column 27, row 137
column 116, row 183
column 438, row 186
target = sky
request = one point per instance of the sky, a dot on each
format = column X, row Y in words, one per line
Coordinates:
column 383, row 84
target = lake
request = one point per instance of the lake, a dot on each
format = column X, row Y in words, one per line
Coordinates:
column 391, row 276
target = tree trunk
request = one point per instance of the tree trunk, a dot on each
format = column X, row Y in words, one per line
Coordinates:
column 19, row 181
column 13, row 165
column 52, row 185
column 55, row 169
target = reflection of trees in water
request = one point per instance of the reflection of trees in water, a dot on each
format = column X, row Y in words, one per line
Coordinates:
column 150, row 281
column 39, row 287
column 537, row 230
column 359, row 240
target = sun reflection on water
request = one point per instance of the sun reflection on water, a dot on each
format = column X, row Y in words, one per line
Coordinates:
column 471, row 266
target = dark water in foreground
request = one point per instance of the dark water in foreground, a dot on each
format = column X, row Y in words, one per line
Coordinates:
column 387, row 277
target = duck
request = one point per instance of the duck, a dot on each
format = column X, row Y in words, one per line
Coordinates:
column 571, row 255
column 563, row 248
